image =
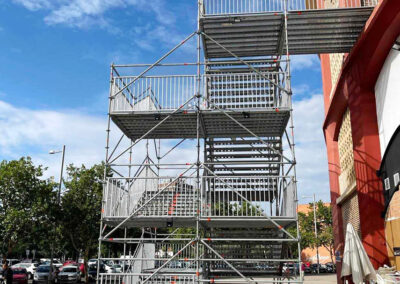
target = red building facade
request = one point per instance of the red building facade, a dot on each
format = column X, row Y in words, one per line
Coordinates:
column 351, row 120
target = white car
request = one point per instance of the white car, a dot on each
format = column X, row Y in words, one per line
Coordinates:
column 92, row 261
column 30, row 267
column 69, row 274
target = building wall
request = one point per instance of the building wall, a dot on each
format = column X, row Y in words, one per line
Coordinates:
column 388, row 98
column 355, row 91
column 392, row 229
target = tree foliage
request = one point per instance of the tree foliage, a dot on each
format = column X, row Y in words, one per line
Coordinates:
column 324, row 228
column 27, row 204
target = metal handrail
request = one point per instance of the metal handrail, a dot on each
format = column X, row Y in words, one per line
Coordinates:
column 237, row 196
column 248, row 90
column 235, row 7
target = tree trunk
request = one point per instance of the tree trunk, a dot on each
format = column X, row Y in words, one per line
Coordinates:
column 85, row 261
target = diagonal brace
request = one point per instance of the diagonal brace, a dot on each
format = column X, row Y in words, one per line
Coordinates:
column 153, row 128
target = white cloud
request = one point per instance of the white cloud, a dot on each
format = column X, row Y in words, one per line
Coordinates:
column 87, row 13
column 312, row 164
column 300, row 62
column 27, row 132
column 34, row 5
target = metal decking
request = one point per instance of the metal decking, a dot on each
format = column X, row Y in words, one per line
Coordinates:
column 214, row 123
column 309, row 32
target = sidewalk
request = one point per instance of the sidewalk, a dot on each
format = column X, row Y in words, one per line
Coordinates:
column 322, row 279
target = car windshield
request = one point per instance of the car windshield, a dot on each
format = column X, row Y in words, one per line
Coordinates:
column 69, row 269
column 19, row 271
column 43, row 269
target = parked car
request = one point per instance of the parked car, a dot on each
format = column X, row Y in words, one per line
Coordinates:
column 290, row 267
column 69, row 262
column 30, row 268
column 314, row 268
column 305, row 268
column 42, row 274
column 11, row 262
column 57, row 263
column 330, row 267
column 117, row 268
column 92, row 261
column 20, row 275
column 69, row 274
column 92, row 272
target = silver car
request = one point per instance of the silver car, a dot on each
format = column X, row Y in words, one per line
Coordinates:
column 42, row 274
column 69, row 274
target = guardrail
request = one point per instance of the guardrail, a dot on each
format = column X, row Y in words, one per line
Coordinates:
column 228, row 91
column 137, row 278
column 232, row 7
column 151, row 93
column 246, row 196
column 169, row 196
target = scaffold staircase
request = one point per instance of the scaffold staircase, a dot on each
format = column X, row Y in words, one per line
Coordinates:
column 224, row 209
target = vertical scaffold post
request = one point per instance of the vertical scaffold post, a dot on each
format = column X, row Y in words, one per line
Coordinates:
column 198, row 102
column 291, row 136
column 105, row 170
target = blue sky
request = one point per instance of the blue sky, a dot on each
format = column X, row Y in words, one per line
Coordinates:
column 54, row 72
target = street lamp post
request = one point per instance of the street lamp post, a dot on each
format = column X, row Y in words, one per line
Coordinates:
column 52, row 152
column 315, row 226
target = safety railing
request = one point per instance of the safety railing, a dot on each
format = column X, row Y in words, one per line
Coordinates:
column 138, row 278
column 244, row 90
column 232, row 7
column 246, row 197
column 228, row 91
column 151, row 93
column 185, row 260
column 154, row 196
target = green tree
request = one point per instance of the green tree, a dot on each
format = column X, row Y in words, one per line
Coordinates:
column 307, row 231
column 27, row 204
column 81, row 207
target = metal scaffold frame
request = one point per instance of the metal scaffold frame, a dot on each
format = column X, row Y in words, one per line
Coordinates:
column 227, row 214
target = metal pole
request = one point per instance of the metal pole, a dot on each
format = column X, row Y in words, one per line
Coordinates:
column 315, row 230
column 55, row 225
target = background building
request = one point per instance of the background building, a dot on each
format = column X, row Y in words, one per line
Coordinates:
column 361, row 130
column 310, row 254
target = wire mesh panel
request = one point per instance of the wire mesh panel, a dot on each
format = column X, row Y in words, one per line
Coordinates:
column 241, row 197
column 224, row 7
column 246, row 90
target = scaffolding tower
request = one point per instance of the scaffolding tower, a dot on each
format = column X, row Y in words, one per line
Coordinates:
column 224, row 209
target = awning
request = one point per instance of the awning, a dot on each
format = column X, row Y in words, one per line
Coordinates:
column 355, row 260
